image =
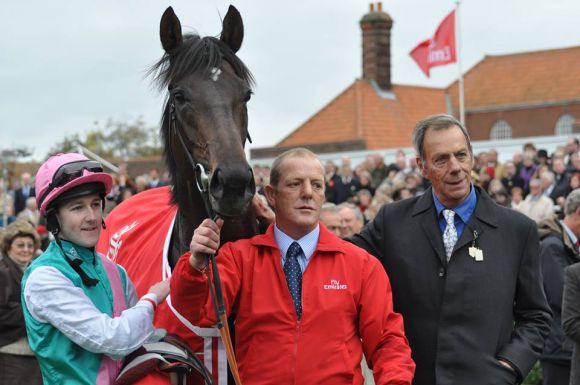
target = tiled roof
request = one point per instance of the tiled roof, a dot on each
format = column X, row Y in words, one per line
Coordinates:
column 360, row 112
column 522, row 78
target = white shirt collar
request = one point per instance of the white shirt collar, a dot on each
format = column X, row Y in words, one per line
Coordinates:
column 307, row 243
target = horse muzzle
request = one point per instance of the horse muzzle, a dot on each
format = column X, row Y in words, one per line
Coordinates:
column 231, row 189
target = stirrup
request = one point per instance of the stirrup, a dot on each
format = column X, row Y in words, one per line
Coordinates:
column 170, row 355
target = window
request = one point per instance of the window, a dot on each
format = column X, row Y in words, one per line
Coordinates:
column 501, row 130
column 564, row 125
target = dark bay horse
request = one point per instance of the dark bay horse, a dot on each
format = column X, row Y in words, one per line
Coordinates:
column 204, row 127
column 205, row 122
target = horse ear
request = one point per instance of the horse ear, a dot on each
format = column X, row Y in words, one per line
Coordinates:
column 233, row 29
column 170, row 31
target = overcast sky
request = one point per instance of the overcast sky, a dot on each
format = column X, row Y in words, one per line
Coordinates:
column 65, row 65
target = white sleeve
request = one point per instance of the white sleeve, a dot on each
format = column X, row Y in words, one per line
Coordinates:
column 52, row 298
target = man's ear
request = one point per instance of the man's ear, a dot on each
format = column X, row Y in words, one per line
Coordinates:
column 421, row 166
column 269, row 191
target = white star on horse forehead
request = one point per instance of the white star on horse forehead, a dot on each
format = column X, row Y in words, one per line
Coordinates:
column 215, row 74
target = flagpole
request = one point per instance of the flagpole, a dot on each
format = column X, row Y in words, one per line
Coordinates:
column 458, row 49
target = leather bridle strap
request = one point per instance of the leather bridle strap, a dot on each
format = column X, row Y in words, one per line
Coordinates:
column 216, row 290
column 215, row 284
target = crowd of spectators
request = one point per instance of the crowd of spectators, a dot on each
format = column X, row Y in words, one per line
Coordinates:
column 532, row 181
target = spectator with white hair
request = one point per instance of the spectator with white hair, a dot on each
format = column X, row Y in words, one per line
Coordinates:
column 30, row 212
column 351, row 219
column 330, row 217
column 536, row 205
column 548, row 180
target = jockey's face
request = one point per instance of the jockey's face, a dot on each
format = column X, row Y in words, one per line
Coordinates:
column 80, row 220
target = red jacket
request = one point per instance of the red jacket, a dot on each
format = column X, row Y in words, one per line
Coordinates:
column 346, row 296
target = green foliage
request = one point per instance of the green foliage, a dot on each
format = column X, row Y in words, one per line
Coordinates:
column 120, row 140
column 535, row 376
column 15, row 153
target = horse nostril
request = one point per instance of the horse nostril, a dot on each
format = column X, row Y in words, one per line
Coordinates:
column 232, row 183
column 251, row 187
column 216, row 185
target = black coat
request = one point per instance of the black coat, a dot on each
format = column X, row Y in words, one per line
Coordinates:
column 331, row 188
column 459, row 316
column 556, row 253
column 11, row 317
column 571, row 316
column 20, row 199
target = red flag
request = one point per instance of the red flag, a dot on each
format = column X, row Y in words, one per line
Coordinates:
column 440, row 49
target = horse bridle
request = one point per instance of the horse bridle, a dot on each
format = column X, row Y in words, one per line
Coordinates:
column 194, row 165
column 216, row 291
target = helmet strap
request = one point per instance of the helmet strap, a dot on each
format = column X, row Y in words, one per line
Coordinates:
column 76, row 265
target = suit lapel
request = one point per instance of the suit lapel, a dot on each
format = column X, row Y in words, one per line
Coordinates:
column 485, row 212
column 425, row 211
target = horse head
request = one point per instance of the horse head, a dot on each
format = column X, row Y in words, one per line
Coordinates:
column 205, row 119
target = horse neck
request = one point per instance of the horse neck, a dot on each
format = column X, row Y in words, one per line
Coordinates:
column 191, row 213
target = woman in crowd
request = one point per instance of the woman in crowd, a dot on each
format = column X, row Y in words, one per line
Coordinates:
column 17, row 362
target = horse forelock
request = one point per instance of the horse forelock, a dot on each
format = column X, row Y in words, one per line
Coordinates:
column 197, row 55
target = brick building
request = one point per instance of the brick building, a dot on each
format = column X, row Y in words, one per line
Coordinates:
column 506, row 96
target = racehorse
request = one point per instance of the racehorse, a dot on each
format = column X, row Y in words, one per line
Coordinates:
column 205, row 121
column 203, row 128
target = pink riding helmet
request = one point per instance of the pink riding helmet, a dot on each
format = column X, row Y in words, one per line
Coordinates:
column 46, row 173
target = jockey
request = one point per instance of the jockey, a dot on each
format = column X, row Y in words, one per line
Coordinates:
column 81, row 310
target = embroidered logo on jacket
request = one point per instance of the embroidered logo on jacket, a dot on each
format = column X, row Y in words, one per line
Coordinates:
column 115, row 242
column 335, row 285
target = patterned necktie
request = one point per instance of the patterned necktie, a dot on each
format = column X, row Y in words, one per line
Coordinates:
column 294, row 276
column 450, row 233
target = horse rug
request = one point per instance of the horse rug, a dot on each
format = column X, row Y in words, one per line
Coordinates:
column 137, row 236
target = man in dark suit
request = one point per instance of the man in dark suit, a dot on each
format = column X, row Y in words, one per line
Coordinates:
column 465, row 271
column 562, row 183
column 21, row 194
column 558, row 249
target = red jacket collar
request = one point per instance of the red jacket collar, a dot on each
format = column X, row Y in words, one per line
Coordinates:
column 327, row 241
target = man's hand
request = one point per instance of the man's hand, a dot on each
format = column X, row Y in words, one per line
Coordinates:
column 262, row 210
column 205, row 240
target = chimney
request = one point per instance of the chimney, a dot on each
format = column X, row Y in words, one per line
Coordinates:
column 376, row 46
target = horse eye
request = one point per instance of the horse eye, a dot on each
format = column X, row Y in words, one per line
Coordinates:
column 179, row 97
column 248, row 96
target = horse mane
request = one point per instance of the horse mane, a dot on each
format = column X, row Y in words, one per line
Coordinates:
column 196, row 55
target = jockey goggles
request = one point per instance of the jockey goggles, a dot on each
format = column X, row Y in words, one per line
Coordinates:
column 69, row 172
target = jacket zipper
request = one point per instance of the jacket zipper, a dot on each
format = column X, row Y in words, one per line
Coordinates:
column 295, row 357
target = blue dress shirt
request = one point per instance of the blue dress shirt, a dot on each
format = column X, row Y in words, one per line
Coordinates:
column 307, row 243
column 463, row 212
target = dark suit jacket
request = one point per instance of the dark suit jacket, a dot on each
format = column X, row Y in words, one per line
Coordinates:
column 561, row 188
column 20, row 199
column 571, row 316
column 459, row 316
column 344, row 191
column 331, row 188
